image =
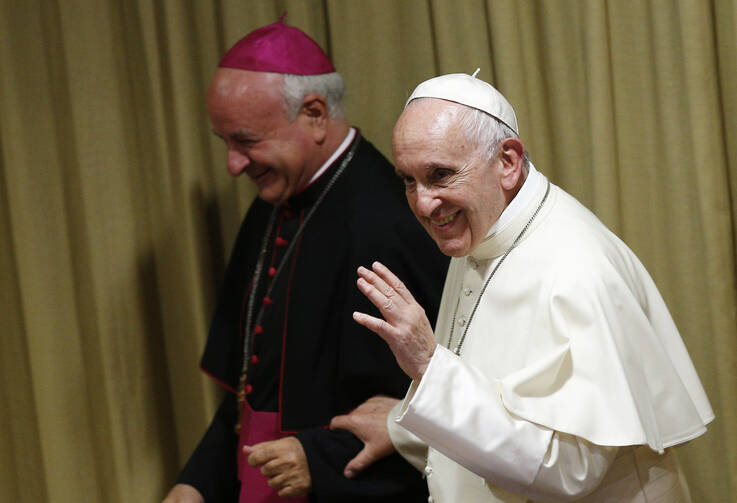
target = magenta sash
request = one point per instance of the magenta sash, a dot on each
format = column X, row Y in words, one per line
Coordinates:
column 258, row 427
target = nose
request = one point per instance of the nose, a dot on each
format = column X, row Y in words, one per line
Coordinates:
column 426, row 202
column 237, row 162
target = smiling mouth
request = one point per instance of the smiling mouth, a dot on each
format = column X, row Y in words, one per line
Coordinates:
column 257, row 176
column 444, row 221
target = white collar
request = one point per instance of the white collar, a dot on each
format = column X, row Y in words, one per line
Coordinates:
column 515, row 217
column 338, row 152
column 520, row 201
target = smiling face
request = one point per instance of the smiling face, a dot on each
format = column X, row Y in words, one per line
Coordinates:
column 247, row 111
column 455, row 192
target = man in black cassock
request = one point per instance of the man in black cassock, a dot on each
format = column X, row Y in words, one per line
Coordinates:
column 328, row 202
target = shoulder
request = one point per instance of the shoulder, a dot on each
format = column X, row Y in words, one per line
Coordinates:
column 369, row 192
column 576, row 252
column 372, row 179
column 371, row 205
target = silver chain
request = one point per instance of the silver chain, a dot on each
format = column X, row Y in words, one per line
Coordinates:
column 262, row 256
column 516, row 241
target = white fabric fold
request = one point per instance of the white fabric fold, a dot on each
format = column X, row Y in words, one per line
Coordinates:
column 575, row 332
column 452, row 399
column 570, row 357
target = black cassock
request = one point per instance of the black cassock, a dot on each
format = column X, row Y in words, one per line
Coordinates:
column 313, row 361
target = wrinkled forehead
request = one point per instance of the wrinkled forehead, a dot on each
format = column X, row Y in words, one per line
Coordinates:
column 429, row 131
column 235, row 84
column 252, row 99
column 431, row 116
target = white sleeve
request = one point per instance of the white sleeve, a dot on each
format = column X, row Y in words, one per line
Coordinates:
column 571, row 469
column 457, row 410
column 411, row 448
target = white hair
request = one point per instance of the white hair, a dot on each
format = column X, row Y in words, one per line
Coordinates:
column 328, row 85
column 484, row 131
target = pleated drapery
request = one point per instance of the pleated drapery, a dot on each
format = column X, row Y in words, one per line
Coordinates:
column 117, row 214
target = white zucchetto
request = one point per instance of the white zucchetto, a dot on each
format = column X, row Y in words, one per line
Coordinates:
column 470, row 91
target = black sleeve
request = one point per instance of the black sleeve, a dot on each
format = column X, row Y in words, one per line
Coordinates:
column 212, row 467
column 368, row 367
column 390, row 479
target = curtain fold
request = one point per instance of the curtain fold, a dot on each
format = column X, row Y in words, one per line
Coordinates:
column 117, row 215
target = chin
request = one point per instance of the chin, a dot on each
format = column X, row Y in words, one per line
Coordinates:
column 453, row 250
column 269, row 198
column 273, row 195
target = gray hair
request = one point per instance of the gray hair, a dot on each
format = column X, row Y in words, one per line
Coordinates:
column 486, row 132
column 328, row 85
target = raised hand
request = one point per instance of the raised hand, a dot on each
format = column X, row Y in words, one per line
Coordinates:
column 405, row 326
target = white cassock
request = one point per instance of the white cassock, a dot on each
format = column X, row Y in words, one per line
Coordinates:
column 572, row 380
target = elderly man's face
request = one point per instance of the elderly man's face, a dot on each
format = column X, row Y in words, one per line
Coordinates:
column 247, row 111
column 453, row 192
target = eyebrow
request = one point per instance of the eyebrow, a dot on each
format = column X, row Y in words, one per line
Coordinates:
column 435, row 165
column 238, row 135
column 440, row 165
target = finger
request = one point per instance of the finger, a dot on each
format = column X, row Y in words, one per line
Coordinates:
column 279, row 481
column 390, row 279
column 387, row 304
column 273, row 468
column 381, row 301
column 374, row 288
column 286, row 492
column 377, row 282
column 376, row 325
column 260, row 454
column 340, row 423
column 291, row 492
column 363, row 459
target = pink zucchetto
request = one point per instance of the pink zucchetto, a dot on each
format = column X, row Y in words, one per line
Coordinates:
column 278, row 48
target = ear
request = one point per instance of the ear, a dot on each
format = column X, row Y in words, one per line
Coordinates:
column 512, row 157
column 314, row 113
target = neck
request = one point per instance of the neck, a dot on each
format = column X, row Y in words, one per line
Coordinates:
column 511, row 194
column 336, row 132
column 334, row 135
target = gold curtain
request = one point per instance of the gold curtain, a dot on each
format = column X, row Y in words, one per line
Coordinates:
column 117, row 215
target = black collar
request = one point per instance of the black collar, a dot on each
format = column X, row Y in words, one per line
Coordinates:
column 308, row 195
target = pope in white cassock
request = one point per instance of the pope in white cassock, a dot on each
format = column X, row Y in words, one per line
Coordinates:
column 555, row 372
